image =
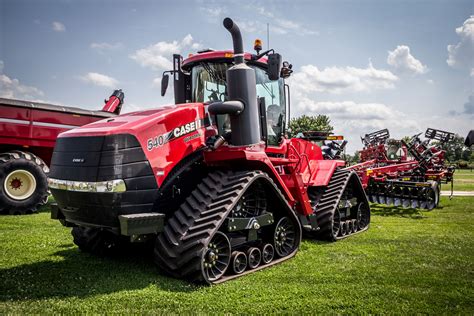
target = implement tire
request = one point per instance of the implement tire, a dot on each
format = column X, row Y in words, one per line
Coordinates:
column 23, row 182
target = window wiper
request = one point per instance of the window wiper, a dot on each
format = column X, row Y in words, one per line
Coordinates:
column 213, row 74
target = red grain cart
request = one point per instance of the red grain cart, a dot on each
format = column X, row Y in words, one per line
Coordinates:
column 28, row 132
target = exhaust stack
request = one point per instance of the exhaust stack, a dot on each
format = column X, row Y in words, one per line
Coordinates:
column 241, row 86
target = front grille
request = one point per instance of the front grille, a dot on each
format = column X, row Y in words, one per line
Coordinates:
column 102, row 158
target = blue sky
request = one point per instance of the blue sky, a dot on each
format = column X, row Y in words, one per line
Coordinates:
column 366, row 64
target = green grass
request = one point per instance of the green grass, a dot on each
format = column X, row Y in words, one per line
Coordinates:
column 463, row 181
column 407, row 262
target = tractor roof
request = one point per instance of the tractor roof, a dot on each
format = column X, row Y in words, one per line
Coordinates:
column 219, row 56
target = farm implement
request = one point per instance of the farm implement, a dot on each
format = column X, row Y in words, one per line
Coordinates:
column 212, row 182
column 28, row 132
column 404, row 174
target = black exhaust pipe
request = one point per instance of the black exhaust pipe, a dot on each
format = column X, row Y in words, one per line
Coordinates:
column 236, row 40
column 241, row 87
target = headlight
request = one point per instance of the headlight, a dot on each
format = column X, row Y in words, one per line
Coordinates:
column 81, row 186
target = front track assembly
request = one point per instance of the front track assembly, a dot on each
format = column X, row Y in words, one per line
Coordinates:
column 232, row 224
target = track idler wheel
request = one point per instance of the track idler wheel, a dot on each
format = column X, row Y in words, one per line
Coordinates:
column 355, row 226
column 216, row 256
column 268, row 252
column 343, row 228
column 363, row 216
column 239, row 262
column 349, row 226
column 254, row 256
column 285, row 237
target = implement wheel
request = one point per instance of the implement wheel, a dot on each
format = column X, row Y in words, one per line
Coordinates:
column 433, row 196
column 23, row 182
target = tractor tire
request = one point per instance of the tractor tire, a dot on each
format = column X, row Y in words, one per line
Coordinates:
column 97, row 241
column 23, row 183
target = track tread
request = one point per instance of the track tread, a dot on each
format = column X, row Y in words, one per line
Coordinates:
column 327, row 204
column 179, row 247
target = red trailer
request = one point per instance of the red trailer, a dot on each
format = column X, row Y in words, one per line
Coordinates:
column 28, row 132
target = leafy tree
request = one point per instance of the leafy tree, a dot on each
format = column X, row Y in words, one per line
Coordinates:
column 455, row 149
column 307, row 123
column 356, row 157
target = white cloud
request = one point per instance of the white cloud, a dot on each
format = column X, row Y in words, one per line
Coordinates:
column 104, row 46
column 214, row 11
column 159, row 55
column 401, row 58
column 348, row 109
column 58, row 27
column 12, row 88
column 100, row 80
column 461, row 55
column 469, row 106
column 342, row 79
column 430, row 81
column 472, row 72
column 353, row 119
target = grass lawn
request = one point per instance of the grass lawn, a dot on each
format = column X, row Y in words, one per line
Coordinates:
column 407, row 262
column 463, row 181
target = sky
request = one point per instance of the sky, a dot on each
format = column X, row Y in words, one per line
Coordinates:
column 368, row 65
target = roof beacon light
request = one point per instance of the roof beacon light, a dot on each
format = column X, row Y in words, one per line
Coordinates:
column 257, row 45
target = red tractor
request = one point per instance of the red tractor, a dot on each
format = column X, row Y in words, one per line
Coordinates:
column 28, row 132
column 391, row 177
column 213, row 181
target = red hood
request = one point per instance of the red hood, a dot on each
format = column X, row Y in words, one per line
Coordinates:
column 131, row 123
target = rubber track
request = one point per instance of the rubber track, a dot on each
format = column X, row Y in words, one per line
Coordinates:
column 328, row 203
column 179, row 247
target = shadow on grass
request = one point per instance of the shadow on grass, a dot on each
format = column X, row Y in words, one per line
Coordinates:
column 46, row 208
column 78, row 274
column 397, row 211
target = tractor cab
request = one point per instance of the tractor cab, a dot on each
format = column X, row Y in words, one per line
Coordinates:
column 201, row 78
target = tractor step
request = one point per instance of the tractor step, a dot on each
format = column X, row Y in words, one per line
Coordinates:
column 141, row 224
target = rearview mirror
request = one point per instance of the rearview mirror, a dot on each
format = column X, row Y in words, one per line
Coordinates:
column 274, row 66
column 164, row 84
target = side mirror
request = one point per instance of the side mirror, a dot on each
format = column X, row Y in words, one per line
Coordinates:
column 274, row 66
column 164, row 84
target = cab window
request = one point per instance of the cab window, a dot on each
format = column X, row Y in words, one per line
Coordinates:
column 209, row 84
column 274, row 96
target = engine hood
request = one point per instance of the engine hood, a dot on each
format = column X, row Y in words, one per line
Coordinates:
column 134, row 123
